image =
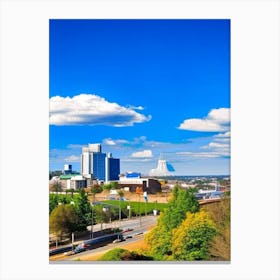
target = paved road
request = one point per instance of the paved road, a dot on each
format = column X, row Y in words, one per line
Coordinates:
column 133, row 223
column 137, row 234
column 110, row 246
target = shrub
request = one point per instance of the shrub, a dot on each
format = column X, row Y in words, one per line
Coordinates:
column 120, row 254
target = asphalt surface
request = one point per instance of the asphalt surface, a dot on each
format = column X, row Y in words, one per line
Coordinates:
column 139, row 226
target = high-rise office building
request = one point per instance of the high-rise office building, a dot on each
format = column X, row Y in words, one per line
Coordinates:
column 98, row 165
column 112, row 167
column 95, row 164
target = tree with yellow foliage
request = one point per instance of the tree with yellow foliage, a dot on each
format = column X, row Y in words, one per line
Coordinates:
column 159, row 239
column 63, row 220
column 191, row 240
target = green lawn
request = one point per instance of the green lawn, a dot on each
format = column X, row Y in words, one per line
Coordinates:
column 137, row 207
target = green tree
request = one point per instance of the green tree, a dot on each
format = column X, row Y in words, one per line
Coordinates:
column 159, row 239
column 55, row 199
column 53, row 202
column 83, row 210
column 110, row 186
column 95, row 189
column 120, row 254
column 63, row 220
column 191, row 240
column 102, row 215
column 182, row 201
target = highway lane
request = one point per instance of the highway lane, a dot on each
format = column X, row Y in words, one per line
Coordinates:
column 134, row 222
column 106, row 248
column 63, row 257
column 137, row 234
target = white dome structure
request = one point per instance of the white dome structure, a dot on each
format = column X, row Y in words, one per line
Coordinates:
column 163, row 169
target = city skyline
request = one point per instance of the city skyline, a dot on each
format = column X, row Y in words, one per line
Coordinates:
column 143, row 89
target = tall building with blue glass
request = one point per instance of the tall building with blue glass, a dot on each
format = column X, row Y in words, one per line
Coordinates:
column 98, row 165
column 112, row 168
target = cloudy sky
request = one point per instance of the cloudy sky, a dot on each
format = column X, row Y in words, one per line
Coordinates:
column 143, row 89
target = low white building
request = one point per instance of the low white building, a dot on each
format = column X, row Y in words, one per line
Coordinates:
column 73, row 181
column 77, row 182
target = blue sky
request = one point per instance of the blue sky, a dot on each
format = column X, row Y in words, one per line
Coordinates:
column 141, row 88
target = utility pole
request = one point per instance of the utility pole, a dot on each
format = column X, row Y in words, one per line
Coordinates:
column 139, row 192
column 72, row 241
column 129, row 211
column 91, row 234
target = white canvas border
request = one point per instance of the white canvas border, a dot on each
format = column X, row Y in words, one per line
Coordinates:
column 255, row 137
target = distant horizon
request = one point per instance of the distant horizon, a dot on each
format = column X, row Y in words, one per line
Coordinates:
column 141, row 88
column 179, row 175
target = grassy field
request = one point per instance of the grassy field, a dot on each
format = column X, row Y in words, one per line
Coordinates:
column 137, row 207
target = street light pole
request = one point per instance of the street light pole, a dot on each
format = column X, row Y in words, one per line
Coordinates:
column 146, row 208
column 104, row 210
column 146, row 200
column 120, row 212
column 72, row 203
column 139, row 212
column 139, row 191
column 91, row 233
column 129, row 211
column 72, row 241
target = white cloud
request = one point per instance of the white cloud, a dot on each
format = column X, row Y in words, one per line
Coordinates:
column 142, row 154
column 114, row 142
column 223, row 135
column 109, row 142
column 199, row 155
column 75, row 146
column 221, row 115
column 218, row 145
column 90, row 109
column 217, row 154
column 201, row 125
column 217, row 120
column 211, row 150
column 138, row 160
column 72, row 158
column 136, row 107
column 220, row 149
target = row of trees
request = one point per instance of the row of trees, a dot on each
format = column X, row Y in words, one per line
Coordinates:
column 74, row 213
column 69, row 214
column 183, row 231
column 94, row 189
